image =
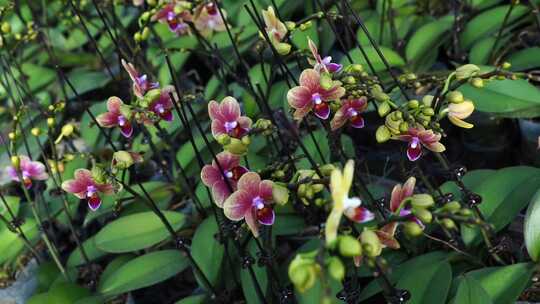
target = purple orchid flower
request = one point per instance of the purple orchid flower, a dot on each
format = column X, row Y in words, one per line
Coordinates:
column 176, row 21
column 323, row 64
column 350, row 111
column 226, row 118
column 418, row 137
column 29, row 170
column 140, row 82
column 84, row 186
column 212, row 176
column 118, row 115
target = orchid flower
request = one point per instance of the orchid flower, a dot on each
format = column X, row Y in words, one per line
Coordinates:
column 350, row 111
column 84, row 186
column 29, row 170
column 118, row 115
column 251, row 202
column 175, row 20
column 322, row 64
column 163, row 105
column 276, row 31
column 212, row 177
column 226, row 118
column 418, row 137
column 208, row 19
column 340, row 184
column 140, row 82
column 397, row 200
column 310, row 95
column 459, row 111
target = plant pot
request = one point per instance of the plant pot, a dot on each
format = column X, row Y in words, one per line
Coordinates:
column 24, row 286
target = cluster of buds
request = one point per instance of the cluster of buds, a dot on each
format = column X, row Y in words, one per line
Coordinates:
column 304, row 270
column 26, row 34
column 180, row 16
column 309, row 187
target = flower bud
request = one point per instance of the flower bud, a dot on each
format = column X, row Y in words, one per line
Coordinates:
column 327, row 169
column 6, row 27
column 382, row 134
column 455, row 97
column 413, row 103
column 452, row 207
column 152, row 95
column 326, row 81
column 262, row 124
column 302, row 189
column 123, row 159
column 317, row 188
column 466, row 71
column 223, row 139
column 99, row 175
column 283, row 48
column 237, row 146
column 428, row 111
column 303, row 270
column 349, row 246
column 290, row 25
column 280, row 193
column 357, row 68
column 477, row 82
column 506, row 65
column 428, row 100
column 465, row 212
column 371, row 244
column 145, row 16
column 12, row 135
column 336, row 268
column 448, row 223
column 145, row 33
column 423, row 215
column 137, row 37
column 422, row 200
column 383, row 109
column 16, row 162
column 412, row 229
column 35, row 131
column 380, row 95
column 50, row 121
column 403, row 127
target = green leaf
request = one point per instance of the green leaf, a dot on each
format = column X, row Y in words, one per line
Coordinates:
column 504, row 284
column 508, row 98
column 504, row 194
column 46, row 274
column 531, row 228
column 86, row 81
column 144, row 271
column 13, row 205
column 300, row 38
column 66, row 293
column 393, row 58
column 198, row 299
column 10, row 242
column 39, row 298
column 489, row 22
column 471, row 292
column 92, row 252
column 136, row 231
column 207, row 251
column 472, row 179
column 38, row 76
column 525, row 59
column 246, row 280
column 428, row 284
column 113, row 266
column 428, row 37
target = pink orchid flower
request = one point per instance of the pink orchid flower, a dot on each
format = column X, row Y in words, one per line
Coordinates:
column 418, row 137
column 322, row 64
column 212, row 176
column 140, row 82
column 118, row 115
column 310, row 95
column 29, row 170
column 208, row 19
column 162, row 106
column 226, row 118
column 84, row 186
column 251, row 202
column 350, row 111
column 398, row 196
column 176, row 21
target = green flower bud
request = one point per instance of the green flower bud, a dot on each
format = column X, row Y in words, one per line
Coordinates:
column 319, row 202
column 290, row 25
column 423, row 215
column 309, row 192
column 302, row 189
column 371, row 244
column 428, row 111
column 145, row 16
column 410, row 76
column 412, row 229
column 455, row 97
column 236, row 146
column 336, row 268
column 326, row 81
column 262, row 124
column 327, row 169
column 452, row 207
column 145, row 33
column 246, row 140
column 383, row 109
column 280, row 193
column 448, row 223
column 403, row 127
column 357, row 68
column 427, row 100
column 6, row 27
column 16, row 162
column 99, row 175
column 282, row 48
column 477, row 82
column 348, row 246
column 506, row 65
column 349, row 80
column 305, row 26
column 413, row 103
column 380, row 95
column 382, row 134
column 123, row 159
column 466, row 212
column 422, row 200
column 152, row 95
column 303, row 271
column 466, row 71
column 223, row 139
column 137, row 37
column 35, row 131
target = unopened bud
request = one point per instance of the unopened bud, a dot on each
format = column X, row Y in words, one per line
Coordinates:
column 35, row 131
column 383, row 109
column 422, row 200
column 50, row 121
column 452, row 207
column 223, row 139
column 12, row 135
column 283, row 48
column 6, row 28
column 412, row 229
column 423, row 215
column 280, row 194
column 413, row 104
column 448, row 223
column 16, row 161
column 327, row 169
column 371, row 244
column 236, row 146
column 466, row 71
column 455, row 97
column 506, row 65
column 326, row 81
column 477, row 82
column 336, row 268
column 349, row 246
column 427, row 100
column 382, row 134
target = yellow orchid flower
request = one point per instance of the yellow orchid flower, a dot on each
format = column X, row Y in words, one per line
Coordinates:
column 340, row 184
column 459, row 111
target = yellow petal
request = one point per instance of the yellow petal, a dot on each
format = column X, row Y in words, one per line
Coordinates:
column 460, row 123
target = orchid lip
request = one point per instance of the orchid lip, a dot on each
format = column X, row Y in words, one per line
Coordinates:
column 121, row 120
column 230, row 125
column 316, row 98
column 90, row 190
column 228, row 174
column 414, row 142
column 258, row 203
column 351, row 112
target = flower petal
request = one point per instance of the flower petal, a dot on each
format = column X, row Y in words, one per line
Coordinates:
column 12, row 173
column 322, row 110
column 107, row 119
column 251, row 221
column 265, row 190
column 220, row 192
column 460, row 123
column 113, row 104
column 435, row 147
column 395, row 198
column 249, row 182
column 299, row 97
column 333, row 94
column 266, row 216
column 210, row 175
column 339, row 118
column 359, row 214
column 229, row 109
column 237, row 205
column 408, row 187
column 244, row 122
column 105, row 188
column 414, row 153
column 310, row 79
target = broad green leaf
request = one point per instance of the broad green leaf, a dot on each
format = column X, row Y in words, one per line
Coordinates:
column 136, row 231
column 91, row 300
column 472, row 179
column 10, row 243
column 481, row 49
column 38, row 76
column 504, row 194
column 428, row 284
column 198, row 299
column 531, row 229
column 288, row 224
column 508, row 98
column 12, row 205
column 471, row 292
column 144, row 271
column 248, row 286
column 207, row 251
column 315, row 293
column 39, row 298
column 47, row 272
column 428, row 37
column 408, row 269
column 482, row 4
column 489, row 22
column 66, row 293
column 504, row 284
column 86, row 81
column 300, row 38
column 113, row 266
column 76, row 257
column 393, row 58
column 525, row 59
